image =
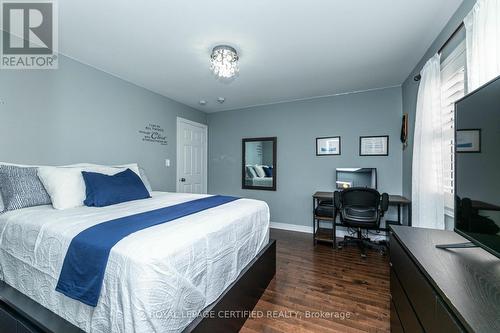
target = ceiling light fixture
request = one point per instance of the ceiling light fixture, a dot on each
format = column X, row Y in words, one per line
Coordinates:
column 224, row 62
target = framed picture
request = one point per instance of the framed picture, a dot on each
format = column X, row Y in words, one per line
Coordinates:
column 328, row 146
column 469, row 140
column 374, row 145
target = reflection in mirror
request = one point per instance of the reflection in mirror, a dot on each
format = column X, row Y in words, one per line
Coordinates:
column 477, row 169
column 259, row 164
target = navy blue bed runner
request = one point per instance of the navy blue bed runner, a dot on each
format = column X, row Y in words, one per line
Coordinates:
column 83, row 269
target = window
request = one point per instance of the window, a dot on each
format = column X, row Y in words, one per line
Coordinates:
column 452, row 89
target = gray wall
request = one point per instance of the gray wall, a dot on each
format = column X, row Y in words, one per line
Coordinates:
column 80, row 114
column 410, row 87
column 296, row 125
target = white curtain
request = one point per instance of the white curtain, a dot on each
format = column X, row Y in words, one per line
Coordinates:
column 427, row 174
column 482, row 26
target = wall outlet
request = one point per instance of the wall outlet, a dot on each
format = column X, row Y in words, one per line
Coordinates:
column 167, row 163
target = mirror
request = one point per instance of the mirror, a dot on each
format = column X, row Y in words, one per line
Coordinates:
column 259, row 164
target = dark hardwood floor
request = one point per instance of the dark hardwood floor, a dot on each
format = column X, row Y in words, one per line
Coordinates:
column 319, row 289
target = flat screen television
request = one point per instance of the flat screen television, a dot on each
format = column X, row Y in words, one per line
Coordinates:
column 356, row 177
column 477, row 167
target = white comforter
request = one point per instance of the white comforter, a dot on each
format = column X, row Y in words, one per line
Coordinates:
column 155, row 279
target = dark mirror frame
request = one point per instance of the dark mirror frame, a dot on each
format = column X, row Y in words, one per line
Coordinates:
column 243, row 171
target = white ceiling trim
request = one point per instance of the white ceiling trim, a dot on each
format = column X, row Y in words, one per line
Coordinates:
column 314, row 97
column 291, row 50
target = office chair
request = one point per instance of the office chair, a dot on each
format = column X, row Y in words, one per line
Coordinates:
column 361, row 208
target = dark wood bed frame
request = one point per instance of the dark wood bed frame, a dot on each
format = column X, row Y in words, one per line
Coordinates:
column 20, row 314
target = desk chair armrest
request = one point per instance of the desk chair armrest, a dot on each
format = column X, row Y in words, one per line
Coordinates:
column 336, row 199
column 384, row 203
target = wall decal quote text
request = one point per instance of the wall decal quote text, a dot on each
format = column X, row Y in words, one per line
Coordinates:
column 154, row 133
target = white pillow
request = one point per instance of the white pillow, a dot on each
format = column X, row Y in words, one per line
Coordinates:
column 259, row 170
column 132, row 166
column 65, row 185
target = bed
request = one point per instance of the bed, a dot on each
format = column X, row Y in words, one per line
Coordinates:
column 157, row 279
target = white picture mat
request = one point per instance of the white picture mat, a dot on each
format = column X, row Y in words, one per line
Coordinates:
column 468, row 141
column 374, row 145
column 328, row 146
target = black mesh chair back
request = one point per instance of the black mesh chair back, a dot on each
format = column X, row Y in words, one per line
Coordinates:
column 360, row 196
column 360, row 207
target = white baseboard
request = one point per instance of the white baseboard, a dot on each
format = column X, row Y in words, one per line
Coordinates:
column 308, row 230
column 292, row 227
column 302, row 228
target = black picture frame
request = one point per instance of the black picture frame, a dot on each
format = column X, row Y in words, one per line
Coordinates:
column 244, row 186
column 478, row 150
column 372, row 137
column 329, row 137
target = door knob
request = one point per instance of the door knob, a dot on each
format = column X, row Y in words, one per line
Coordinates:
column 183, row 180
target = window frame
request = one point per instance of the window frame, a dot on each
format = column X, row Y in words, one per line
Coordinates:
column 453, row 68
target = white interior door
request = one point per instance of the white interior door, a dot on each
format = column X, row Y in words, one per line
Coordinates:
column 191, row 156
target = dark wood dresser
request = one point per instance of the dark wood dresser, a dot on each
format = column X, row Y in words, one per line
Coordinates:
column 435, row 290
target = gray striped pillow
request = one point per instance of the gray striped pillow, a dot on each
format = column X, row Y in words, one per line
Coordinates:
column 20, row 188
column 251, row 172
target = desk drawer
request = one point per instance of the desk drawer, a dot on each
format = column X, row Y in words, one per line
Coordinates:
column 446, row 321
column 406, row 314
column 396, row 326
column 7, row 322
column 13, row 324
column 419, row 291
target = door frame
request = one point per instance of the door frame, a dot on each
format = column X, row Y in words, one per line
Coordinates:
column 205, row 153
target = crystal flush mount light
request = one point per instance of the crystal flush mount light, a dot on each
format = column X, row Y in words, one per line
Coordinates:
column 224, row 62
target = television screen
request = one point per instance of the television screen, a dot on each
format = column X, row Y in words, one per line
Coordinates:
column 477, row 161
column 356, row 177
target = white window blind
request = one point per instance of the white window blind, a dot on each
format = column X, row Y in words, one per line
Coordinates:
column 452, row 89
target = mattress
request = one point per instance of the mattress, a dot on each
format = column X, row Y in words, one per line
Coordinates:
column 156, row 280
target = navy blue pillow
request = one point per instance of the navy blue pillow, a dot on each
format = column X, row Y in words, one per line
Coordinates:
column 103, row 190
column 268, row 171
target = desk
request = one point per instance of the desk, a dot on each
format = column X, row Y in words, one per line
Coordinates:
column 400, row 202
column 320, row 234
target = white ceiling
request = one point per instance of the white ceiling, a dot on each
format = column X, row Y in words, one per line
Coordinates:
column 289, row 49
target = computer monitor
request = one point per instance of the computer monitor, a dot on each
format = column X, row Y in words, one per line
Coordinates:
column 356, row 177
